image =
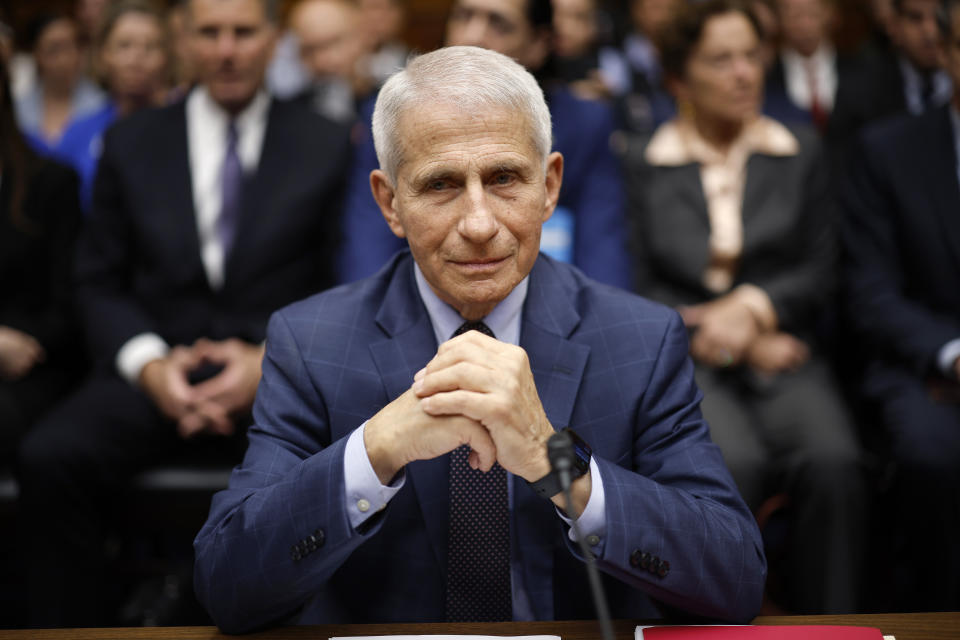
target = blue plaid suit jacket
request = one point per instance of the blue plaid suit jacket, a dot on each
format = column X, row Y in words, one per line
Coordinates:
column 610, row 364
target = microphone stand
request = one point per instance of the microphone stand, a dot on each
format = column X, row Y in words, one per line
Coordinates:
column 560, row 453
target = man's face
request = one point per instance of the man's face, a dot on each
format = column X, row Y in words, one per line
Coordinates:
column 500, row 25
column 470, row 197
column 327, row 33
column 915, row 32
column 574, row 26
column 804, row 24
column 231, row 42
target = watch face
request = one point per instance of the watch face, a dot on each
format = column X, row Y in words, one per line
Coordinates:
column 582, row 453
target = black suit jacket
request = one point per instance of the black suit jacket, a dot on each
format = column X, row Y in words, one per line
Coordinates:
column 902, row 238
column 139, row 264
column 36, row 251
column 789, row 242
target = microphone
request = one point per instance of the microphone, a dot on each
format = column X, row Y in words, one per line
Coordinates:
column 561, row 456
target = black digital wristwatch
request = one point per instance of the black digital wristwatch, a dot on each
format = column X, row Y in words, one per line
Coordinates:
column 549, row 485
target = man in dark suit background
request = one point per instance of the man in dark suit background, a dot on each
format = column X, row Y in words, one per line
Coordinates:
column 207, row 216
column 902, row 234
column 348, row 508
column 910, row 79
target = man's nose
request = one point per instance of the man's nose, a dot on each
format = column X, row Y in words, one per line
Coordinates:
column 226, row 44
column 478, row 223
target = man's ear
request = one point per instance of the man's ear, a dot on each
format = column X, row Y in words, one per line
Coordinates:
column 553, row 179
column 385, row 195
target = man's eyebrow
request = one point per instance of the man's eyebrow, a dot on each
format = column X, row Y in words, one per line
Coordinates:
column 432, row 175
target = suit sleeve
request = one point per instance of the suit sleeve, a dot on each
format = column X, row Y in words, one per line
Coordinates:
column 879, row 308
column 106, row 253
column 674, row 500
column 282, row 528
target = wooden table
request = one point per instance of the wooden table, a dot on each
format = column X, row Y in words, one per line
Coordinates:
column 905, row 626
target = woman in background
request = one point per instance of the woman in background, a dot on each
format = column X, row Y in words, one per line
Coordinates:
column 61, row 93
column 133, row 57
column 39, row 220
column 733, row 226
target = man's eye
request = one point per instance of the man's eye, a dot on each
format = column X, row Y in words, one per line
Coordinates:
column 503, row 179
column 437, row 185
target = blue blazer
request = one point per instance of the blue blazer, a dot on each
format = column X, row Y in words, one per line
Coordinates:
column 610, row 364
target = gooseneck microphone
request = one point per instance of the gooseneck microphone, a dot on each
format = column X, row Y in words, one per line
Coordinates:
column 561, row 456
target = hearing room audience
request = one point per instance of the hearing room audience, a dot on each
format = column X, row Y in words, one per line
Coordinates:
column 733, row 224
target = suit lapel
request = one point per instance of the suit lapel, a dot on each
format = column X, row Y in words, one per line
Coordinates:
column 941, row 177
column 409, row 346
column 558, row 365
column 173, row 160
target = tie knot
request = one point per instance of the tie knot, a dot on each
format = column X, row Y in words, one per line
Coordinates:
column 471, row 325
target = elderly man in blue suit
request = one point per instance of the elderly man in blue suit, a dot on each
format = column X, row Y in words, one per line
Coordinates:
column 397, row 474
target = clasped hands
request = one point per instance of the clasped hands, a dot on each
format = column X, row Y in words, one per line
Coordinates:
column 728, row 333
column 211, row 405
column 477, row 391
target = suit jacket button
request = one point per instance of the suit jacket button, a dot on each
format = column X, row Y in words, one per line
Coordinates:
column 645, row 559
column 295, row 553
column 654, row 565
column 320, row 537
column 664, row 569
column 635, row 558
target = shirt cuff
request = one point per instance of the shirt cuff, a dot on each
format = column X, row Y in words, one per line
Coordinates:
column 760, row 305
column 593, row 521
column 136, row 352
column 947, row 355
column 364, row 493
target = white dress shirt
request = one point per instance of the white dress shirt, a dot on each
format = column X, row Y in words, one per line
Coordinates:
column 207, row 125
column 820, row 68
column 366, row 496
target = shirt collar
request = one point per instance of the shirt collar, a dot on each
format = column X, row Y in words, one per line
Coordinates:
column 677, row 143
column 254, row 112
column 504, row 320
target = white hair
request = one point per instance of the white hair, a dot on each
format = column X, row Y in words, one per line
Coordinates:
column 468, row 77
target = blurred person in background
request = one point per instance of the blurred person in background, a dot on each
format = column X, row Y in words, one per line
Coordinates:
column 182, row 72
column 593, row 71
column 902, row 239
column 332, row 51
column 207, row 215
column 647, row 104
column 811, row 82
column 733, row 225
column 61, row 93
column 907, row 79
column 133, row 57
column 39, row 219
column 382, row 23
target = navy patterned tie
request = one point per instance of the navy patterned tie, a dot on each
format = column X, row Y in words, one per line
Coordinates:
column 231, row 184
column 478, row 549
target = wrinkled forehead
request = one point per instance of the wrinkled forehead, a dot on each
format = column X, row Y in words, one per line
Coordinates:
column 428, row 127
